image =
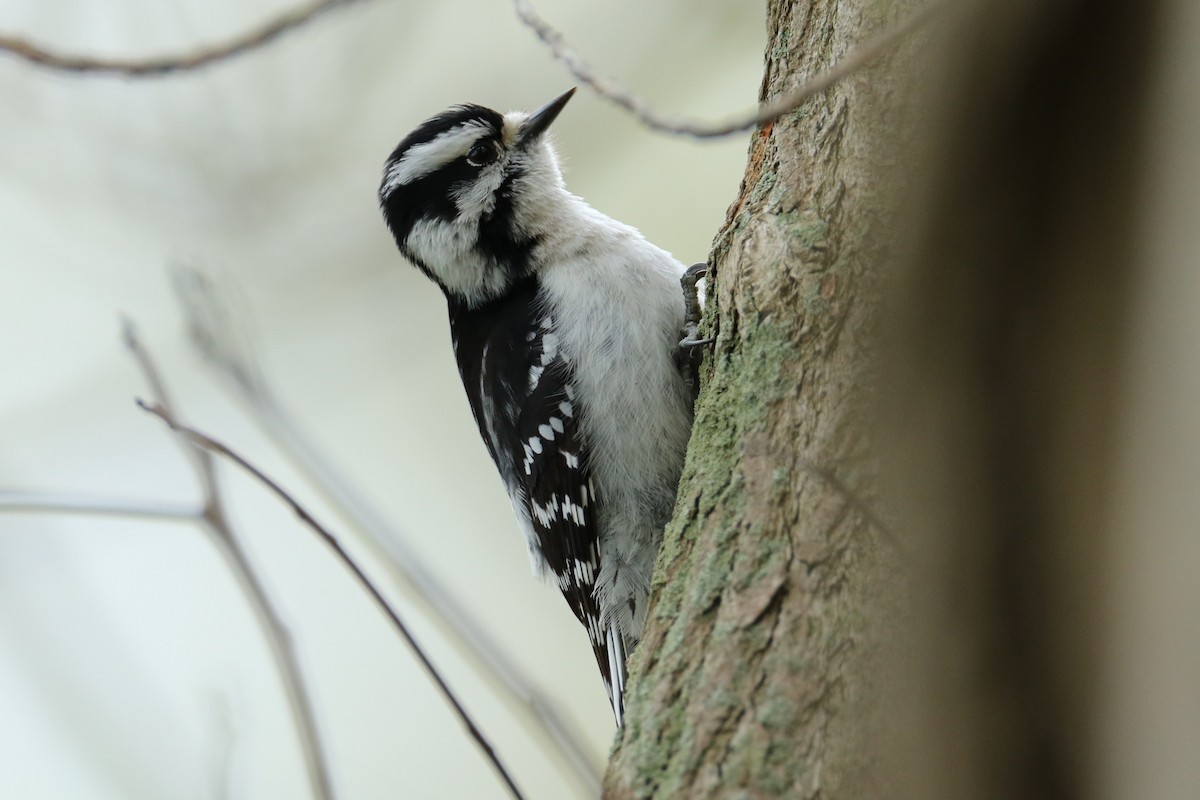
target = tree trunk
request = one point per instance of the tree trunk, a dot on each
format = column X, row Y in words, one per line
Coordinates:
column 752, row 672
column 798, row 649
column 782, row 657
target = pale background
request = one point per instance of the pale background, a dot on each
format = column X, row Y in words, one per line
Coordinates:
column 129, row 665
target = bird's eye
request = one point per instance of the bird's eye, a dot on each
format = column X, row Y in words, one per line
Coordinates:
column 480, row 154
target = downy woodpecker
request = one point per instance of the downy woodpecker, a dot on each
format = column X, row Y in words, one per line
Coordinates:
column 567, row 327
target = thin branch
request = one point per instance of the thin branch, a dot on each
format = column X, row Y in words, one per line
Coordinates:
column 222, row 335
column 285, row 655
column 201, row 460
column 59, row 503
column 214, row 446
column 621, row 96
column 278, row 637
column 161, row 66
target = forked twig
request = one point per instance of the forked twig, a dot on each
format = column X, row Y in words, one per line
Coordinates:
column 609, row 89
column 214, row 522
column 213, row 446
column 221, row 332
column 770, row 111
column 160, row 66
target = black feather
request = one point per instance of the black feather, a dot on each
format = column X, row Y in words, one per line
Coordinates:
column 520, row 391
column 431, row 196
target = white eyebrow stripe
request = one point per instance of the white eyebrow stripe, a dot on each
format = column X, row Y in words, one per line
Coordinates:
column 422, row 159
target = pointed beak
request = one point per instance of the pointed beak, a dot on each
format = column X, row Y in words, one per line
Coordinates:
column 540, row 120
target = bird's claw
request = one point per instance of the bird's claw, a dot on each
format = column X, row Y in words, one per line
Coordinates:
column 692, row 310
column 689, row 346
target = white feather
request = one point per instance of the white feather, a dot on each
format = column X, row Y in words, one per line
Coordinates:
column 613, row 310
column 619, row 309
column 473, row 275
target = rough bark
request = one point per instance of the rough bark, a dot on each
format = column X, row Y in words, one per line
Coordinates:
column 751, row 679
column 775, row 595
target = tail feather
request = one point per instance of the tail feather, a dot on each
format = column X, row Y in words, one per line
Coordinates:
column 615, row 677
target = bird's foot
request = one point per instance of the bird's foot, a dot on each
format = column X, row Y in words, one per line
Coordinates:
column 691, row 345
column 692, row 308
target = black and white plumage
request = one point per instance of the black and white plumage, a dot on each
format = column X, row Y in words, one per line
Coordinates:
column 566, row 328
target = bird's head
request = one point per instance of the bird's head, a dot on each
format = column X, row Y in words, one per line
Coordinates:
column 470, row 193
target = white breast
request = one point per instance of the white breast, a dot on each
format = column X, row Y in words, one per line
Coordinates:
column 618, row 308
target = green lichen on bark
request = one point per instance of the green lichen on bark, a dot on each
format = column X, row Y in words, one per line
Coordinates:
column 748, row 681
column 665, row 743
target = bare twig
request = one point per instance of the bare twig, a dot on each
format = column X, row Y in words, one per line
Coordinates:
column 59, row 503
column 221, row 334
column 214, row 446
column 621, row 96
column 201, row 461
column 161, row 66
column 279, row 639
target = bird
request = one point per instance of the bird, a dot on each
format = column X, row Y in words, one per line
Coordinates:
column 574, row 338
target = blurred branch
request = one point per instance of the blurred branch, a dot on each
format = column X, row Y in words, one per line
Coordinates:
column 278, row 637
column 218, row 330
column 161, row 66
column 857, row 502
column 646, row 114
column 220, row 333
column 213, row 446
column 58, row 503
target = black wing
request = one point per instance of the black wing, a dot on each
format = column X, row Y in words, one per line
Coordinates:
column 519, row 387
column 562, row 501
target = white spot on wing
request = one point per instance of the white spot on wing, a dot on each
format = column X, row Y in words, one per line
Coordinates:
column 535, row 375
column 545, row 514
column 585, row 573
column 549, row 347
